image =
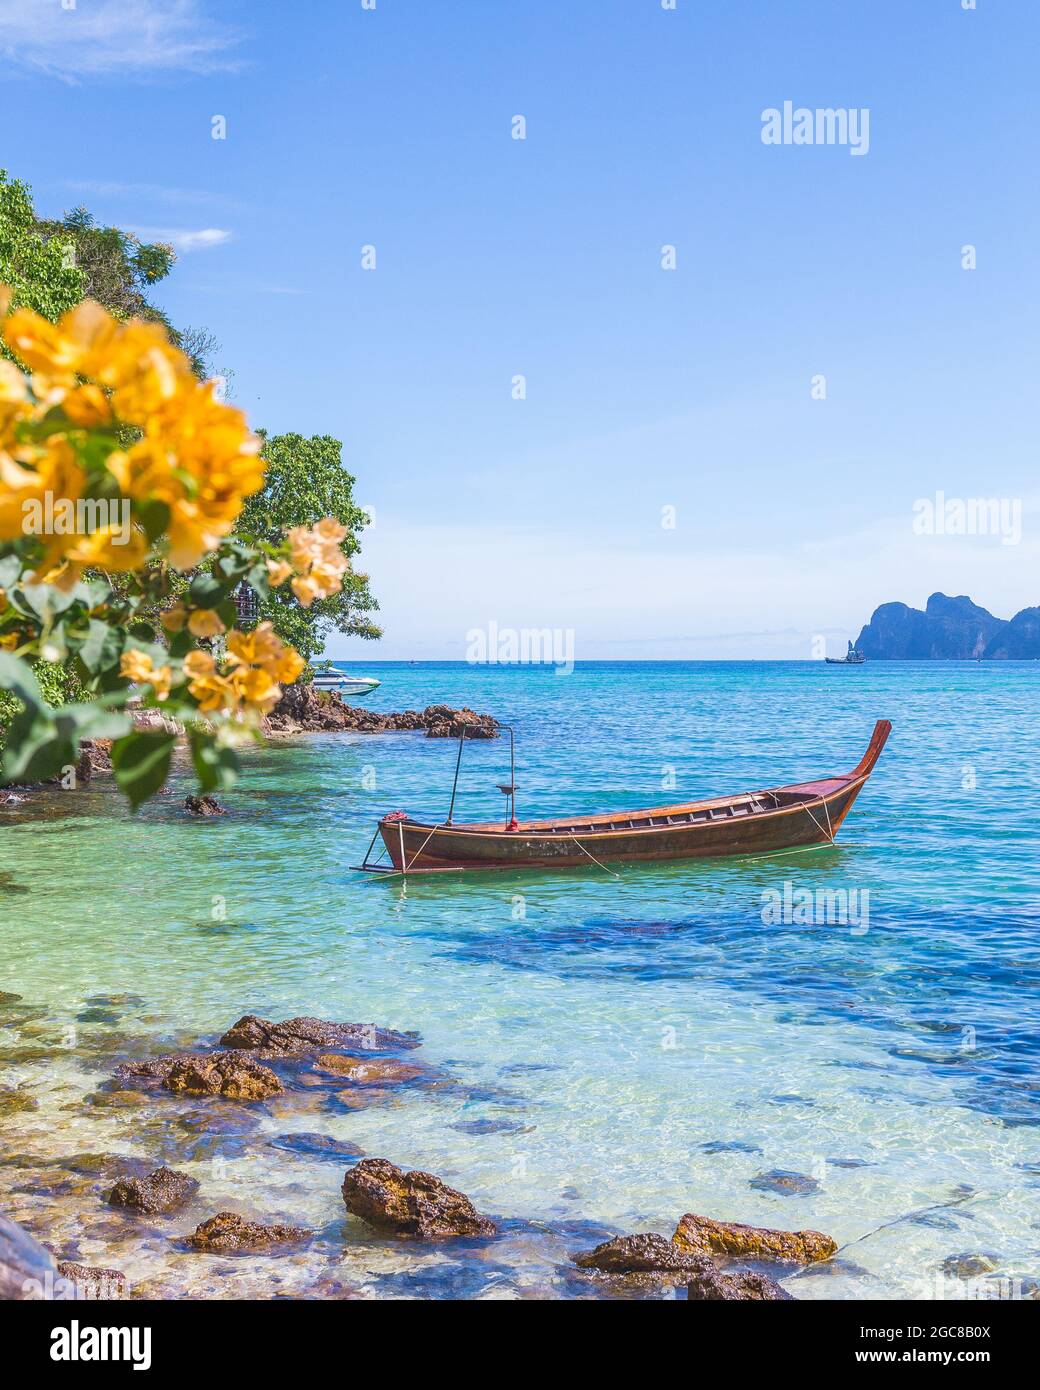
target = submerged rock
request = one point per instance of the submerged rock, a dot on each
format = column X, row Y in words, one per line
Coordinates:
column 296, row 1037
column 786, row 1184
column 160, row 1192
column 207, row 1074
column 204, row 806
column 411, row 1204
column 714, row 1285
column 316, row 1146
column 701, row 1235
column 13, row 1100
column 642, row 1254
column 92, row 1281
column 227, row 1233
column 365, row 1071
column 26, row 1268
column 970, row 1265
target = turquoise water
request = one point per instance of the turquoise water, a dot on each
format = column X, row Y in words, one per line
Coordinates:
column 621, row 1049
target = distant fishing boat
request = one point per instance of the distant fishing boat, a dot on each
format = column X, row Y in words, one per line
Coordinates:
column 342, row 683
column 800, row 814
column 853, row 657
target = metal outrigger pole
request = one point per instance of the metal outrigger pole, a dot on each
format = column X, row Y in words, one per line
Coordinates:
column 508, row 789
column 454, row 785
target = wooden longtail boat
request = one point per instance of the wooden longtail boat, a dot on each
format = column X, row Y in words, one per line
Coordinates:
column 804, row 813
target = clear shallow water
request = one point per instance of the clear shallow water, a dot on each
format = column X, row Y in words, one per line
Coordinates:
column 601, row 1031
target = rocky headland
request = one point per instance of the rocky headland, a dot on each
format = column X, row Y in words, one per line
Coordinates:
column 951, row 629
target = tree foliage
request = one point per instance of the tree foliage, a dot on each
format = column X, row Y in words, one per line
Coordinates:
column 305, row 480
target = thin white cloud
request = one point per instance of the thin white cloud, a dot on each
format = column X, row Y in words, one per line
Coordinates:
column 100, row 37
column 184, row 239
column 147, row 192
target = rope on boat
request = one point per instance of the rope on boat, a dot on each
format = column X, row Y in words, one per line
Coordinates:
column 828, row 832
column 419, row 851
column 593, row 858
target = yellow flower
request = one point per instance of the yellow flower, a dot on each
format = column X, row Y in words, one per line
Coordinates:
column 288, row 667
column 278, row 571
column 318, row 558
column 256, row 688
column 9, row 641
column 205, row 622
column 138, row 667
column 254, row 648
column 173, row 619
column 199, row 665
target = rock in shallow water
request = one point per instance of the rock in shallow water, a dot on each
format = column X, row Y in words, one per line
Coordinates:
column 14, row 1100
column 411, row 1204
column 230, row 1234
column 207, row 1074
column 784, row 1183
column 365, row 1071
column 26, row 1268
column 296, row 1037
column 716, row 1286
column 204, row 806
column 700, row 1235
column 642, row 1254
column 316, row 1146
column 160, row 1192
column 92, row 1281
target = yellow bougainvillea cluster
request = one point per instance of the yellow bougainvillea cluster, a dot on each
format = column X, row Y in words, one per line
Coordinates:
column 195, row 454
column 318, row 560
column 255, row 667
column 116, row 459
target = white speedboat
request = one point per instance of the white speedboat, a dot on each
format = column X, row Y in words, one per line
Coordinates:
column 343, row 683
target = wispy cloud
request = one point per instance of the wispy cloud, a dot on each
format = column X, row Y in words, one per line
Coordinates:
column 148, row 192
column 99, row 37
column 184, row 239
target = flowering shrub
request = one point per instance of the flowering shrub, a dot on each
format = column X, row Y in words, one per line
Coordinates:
column 120, row 472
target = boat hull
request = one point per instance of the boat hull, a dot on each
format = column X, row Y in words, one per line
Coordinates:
column 780, row 818
column 414, row 846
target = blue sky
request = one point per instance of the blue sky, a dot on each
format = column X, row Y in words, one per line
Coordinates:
column 646, row 388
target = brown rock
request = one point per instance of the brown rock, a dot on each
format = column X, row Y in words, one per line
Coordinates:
column 163, row 1191
column 302, row 709
column 368, row 1071
column 26, row 1268
column 711, row 1284
column 13, row 1100
column 93, row 1282
column 95, row 757
column 410, row 1204
column 699, row 1235
column 204, row 806
column 230, row 1234
column 642, row 1254
column 225, row 1074
column 357, row 1098
column 296, row 1037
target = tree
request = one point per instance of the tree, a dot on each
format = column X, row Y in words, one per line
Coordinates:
column 304, row 481
column 54, row 264
column 42, row 271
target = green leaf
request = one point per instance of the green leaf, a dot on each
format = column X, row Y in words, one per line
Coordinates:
column 17, row 676
column 140, row 763
column 35, row 748
column 215, row 766
column 102, row 646
column 206, row 591
column 154, row 517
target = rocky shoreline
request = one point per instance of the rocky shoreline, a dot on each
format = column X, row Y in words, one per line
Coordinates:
column 301, row 710
column 280, row 1069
